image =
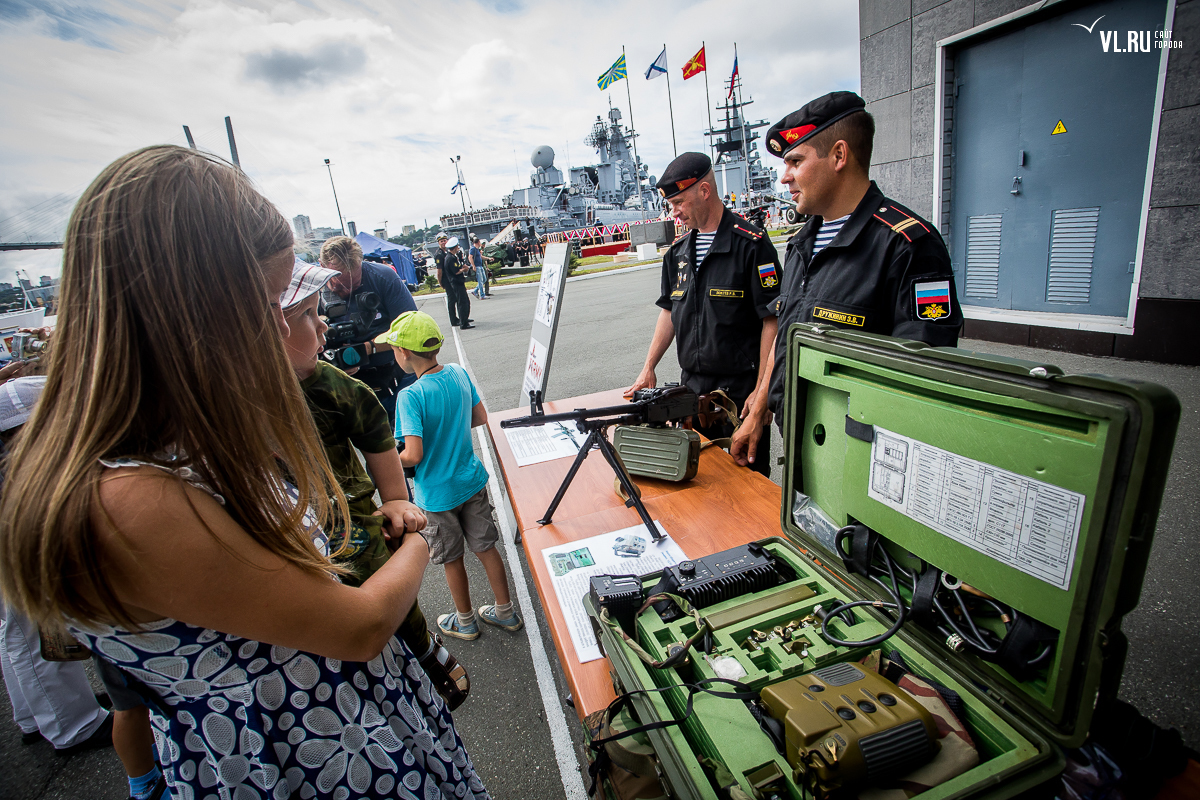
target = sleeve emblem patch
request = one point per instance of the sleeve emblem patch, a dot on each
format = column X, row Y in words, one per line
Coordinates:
column 932, row 299
column 766, row 274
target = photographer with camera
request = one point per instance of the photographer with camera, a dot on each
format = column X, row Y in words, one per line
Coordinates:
column 372, row 296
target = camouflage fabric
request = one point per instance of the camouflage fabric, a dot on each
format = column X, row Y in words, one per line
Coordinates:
column 348, row 416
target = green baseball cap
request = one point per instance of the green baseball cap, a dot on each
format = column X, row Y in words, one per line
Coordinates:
column 413, row 330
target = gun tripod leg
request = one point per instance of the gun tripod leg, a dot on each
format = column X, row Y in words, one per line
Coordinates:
column 627, row 484
column 584, row 449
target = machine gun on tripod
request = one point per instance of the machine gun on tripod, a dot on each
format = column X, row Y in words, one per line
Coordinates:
column 670, row 403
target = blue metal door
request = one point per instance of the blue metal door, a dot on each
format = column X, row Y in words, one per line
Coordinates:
column 1051, row 134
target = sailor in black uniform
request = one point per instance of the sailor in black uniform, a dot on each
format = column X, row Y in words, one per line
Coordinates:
column 862, row 262
column 719, row 283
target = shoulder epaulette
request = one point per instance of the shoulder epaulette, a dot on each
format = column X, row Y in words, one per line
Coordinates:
column 901, row 220
column 750, row 232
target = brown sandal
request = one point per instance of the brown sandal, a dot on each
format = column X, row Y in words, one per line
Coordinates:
column 449, row 677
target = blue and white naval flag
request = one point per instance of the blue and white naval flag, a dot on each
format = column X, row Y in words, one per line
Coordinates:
column 454, row 188
column 659, row 67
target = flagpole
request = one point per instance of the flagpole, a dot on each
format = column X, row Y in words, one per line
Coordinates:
column 708, row 100
column 674, row 146
column 637, row 167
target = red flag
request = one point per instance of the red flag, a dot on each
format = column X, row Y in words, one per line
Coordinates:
column 695, row 66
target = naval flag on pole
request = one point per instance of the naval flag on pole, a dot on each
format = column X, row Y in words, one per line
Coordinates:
column 659, row 67
column 733, row 77
column 696, row 65
column 454, row 188
column 614, row 73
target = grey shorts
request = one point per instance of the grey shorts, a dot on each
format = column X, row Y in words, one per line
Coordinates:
column 470, row 525
column 116, row 683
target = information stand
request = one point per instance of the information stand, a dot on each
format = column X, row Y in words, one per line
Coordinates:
column 545, row 321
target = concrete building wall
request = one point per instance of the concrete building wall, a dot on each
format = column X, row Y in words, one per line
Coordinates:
column 897, row 52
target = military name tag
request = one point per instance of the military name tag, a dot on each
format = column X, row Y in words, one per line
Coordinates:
column 729, row 293
column 858, row 320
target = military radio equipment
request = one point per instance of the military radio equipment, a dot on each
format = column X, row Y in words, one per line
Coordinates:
column 659, row 406
column 723, row 576
column 846, row 727
column 719, row 577
column 619, row 595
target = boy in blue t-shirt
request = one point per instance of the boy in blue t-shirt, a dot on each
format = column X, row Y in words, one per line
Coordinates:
column 434, row 417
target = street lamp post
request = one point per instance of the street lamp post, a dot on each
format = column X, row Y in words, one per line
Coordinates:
column 337, row 205
column 461, row 188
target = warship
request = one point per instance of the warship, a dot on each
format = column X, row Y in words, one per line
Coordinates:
column 598, row 202
column 605, row 194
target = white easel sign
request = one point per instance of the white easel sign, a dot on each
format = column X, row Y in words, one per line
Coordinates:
column 545, row 321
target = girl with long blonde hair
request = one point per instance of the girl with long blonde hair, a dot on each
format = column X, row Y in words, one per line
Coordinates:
column 166, row 497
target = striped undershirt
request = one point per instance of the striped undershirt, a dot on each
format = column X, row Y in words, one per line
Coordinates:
column 829, row 229
column 703, row 243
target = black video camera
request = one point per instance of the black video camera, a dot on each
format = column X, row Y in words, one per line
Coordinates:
column 344, row 341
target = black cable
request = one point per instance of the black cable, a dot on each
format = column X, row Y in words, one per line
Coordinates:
column 897, row 605
column 982, row 641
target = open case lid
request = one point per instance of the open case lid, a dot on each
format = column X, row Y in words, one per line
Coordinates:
column 1038, row 488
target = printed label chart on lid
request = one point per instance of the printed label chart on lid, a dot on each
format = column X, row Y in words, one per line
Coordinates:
column 1025, row 523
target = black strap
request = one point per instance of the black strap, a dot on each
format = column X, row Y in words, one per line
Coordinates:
column 859, row 430
column 863, row 541
column 922, row 599
column 667, row 611
column 1025, row 641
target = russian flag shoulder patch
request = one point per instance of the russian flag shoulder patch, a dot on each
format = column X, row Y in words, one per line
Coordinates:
column 931, row 299
column 766, row 274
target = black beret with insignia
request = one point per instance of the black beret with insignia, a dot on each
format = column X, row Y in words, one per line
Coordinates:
column 815, row 117
column 683, row 172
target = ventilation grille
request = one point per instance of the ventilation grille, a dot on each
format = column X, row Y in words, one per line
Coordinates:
column 839, row 674
column 983, row 255
column 896, row 751
column 1072, row 245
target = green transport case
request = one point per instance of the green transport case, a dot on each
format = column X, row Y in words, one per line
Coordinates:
column 1037, row 488
column 669, row 454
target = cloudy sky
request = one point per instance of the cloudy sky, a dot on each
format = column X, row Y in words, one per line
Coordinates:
column 388, row 91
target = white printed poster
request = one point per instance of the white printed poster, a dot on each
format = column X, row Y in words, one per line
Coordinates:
column 630, row 551
column 1024, row 523
column 539, row 443
column 548, row 290
column 535, row 367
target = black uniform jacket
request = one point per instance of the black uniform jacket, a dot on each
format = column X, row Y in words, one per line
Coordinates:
column 718, row 309
column 887, row 271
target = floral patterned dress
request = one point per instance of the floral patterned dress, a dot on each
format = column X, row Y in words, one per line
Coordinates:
column 248, row 720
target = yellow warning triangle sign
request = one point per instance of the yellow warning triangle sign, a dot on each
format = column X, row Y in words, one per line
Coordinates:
column 1059, row 128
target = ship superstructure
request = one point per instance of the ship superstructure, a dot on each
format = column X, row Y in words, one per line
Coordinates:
column 602, row 194
column 738, row 165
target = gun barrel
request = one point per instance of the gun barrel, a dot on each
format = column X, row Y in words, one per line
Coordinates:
column 633, row 409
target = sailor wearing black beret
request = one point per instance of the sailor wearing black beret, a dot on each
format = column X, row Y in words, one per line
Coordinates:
column 862, row 261
column 683, row 173
column 720, row 280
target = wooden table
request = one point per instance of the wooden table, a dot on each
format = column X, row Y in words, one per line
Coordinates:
column 723, row 506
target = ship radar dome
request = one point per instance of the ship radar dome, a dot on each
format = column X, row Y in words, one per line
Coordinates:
column 543, row 157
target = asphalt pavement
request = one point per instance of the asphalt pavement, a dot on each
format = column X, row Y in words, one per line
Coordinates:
column 522, row 736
